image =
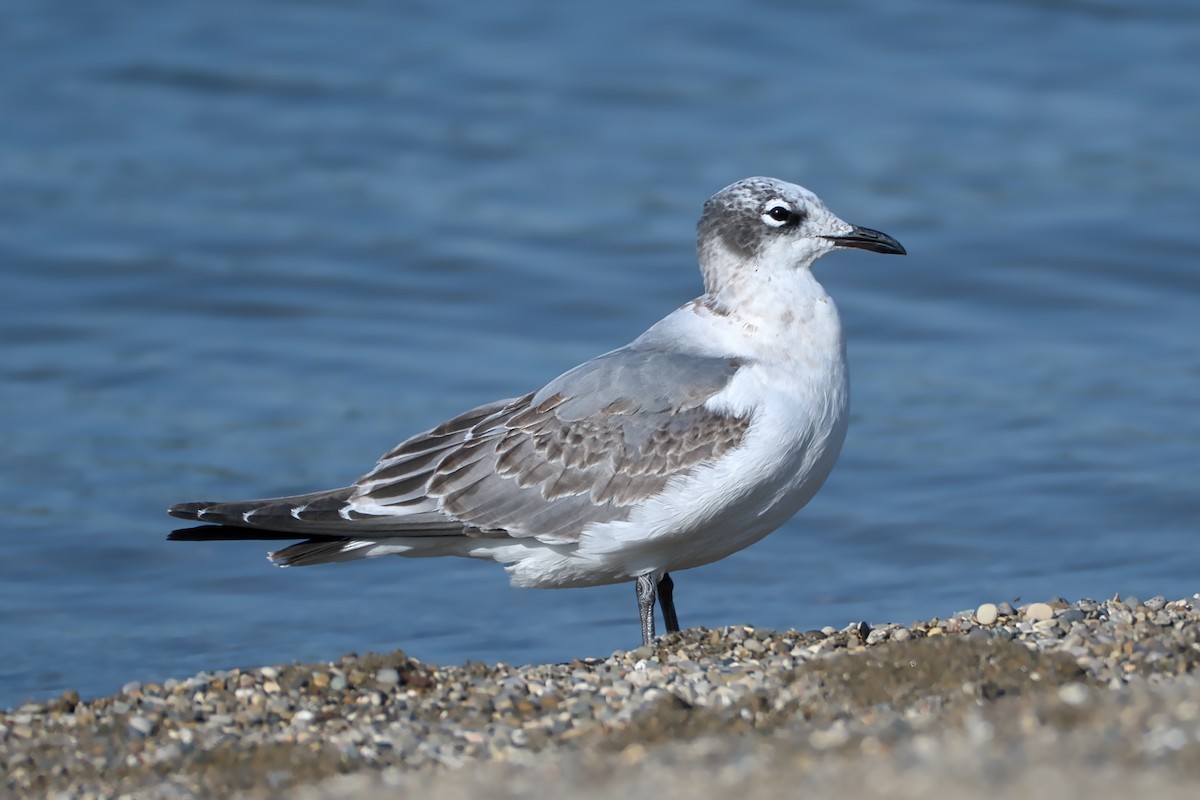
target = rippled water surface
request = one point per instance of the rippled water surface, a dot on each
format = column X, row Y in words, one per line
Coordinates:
column 246, row 247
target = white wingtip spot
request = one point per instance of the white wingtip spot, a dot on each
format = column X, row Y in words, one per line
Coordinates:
column 246, row 515
column 298, row 510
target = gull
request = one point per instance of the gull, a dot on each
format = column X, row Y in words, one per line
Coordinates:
column 693, row 441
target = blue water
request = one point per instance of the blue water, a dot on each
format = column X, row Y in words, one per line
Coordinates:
column 246, row 247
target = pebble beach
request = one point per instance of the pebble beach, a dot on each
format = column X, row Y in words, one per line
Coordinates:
column 1048, row 699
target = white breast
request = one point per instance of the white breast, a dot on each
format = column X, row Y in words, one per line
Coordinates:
column 796, row 392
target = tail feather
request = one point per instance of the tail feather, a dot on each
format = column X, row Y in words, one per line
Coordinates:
column 316, row 551
column 329, row 531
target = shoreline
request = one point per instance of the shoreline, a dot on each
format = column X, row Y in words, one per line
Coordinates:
column 1080, row 698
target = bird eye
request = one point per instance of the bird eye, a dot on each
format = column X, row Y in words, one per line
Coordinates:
column 778, row 215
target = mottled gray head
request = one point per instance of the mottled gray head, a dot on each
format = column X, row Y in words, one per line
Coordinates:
column 773, row 223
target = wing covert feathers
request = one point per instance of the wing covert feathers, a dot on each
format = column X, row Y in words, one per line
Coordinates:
column 584, row 449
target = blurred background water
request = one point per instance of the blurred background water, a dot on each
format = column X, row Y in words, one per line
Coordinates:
column 245, row 247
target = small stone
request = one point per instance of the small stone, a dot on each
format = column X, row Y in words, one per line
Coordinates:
column 878, row 635
column 1036, row 612
column 388, row 676
column 141, row 725
column 1006, row 609
column 1121, row 615
column 987, row 613
column 1074, row 694
column 67, row 701
column 634, row 754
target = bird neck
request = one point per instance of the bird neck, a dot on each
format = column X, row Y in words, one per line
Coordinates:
column 757, row 292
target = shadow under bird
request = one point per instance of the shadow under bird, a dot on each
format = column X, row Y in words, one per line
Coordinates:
column 691, row 442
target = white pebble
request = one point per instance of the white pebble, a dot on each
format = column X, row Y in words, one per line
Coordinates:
column 1073, row 694
column 1036, row 612
column 141, row 725
column 987, row 613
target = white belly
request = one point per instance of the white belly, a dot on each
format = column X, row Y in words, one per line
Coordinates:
column 789, row 450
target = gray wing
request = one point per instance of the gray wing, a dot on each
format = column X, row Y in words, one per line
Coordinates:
column 584, row 448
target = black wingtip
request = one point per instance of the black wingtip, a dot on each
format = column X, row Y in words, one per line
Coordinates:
column 229, row 533
column 201, row 533
column 188, row 510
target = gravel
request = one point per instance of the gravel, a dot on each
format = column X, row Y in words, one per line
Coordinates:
column 1055, row 699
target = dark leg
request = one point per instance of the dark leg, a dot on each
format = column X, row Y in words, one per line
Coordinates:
column 666, row 599
column 645, row 596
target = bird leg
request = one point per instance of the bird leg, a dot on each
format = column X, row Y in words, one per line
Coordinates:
column 645, row 598
column 666, row 599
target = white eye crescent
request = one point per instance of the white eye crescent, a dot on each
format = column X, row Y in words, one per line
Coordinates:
column 778, row 214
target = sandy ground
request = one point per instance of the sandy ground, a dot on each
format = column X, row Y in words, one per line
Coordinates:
column 1054, row 700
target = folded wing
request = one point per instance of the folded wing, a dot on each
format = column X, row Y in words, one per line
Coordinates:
column 583, row 449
